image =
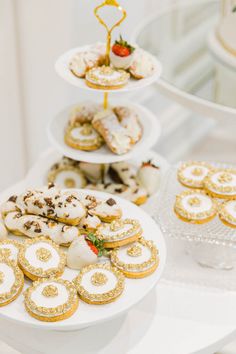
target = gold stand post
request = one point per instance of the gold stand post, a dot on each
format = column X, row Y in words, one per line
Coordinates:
column 109, row 32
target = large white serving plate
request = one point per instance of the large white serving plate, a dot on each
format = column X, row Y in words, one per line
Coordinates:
column 62, row 69
column 88, row 315
column 37, row 175
column 151, row 134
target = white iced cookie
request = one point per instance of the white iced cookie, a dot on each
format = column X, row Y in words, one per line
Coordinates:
column 9, row 206
column 136, row 260
column 227, row 213
column 106, row 78
column 107, row 210
column 41, row 258
column 80, row 254
column 99, row 284
column 192, row 173
column 195, row 206
column 66, row 174
column 51, row 300
column 60, row 205
column 119, row 232
column 11, row 281
column 221, row 183
column 142, row 65
column 3, row 231
column 149, row 177
column 34, row 226
column 10, row 249
column 83, row 137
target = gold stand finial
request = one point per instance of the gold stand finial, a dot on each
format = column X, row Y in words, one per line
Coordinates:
column 109, row 32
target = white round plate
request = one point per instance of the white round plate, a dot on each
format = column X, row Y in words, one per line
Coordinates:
column 88, row 315
column 37, row 175
column 151, row 134
column 62, row 69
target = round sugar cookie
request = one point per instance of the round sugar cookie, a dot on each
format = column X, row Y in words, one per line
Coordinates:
column 221, row 183
column 10, row 249
column 106, row 78
column 192, row 173
column 227, row 213
column 83, row 137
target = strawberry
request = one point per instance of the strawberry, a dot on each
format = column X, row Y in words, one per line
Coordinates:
column 122, row 48
column 92, row 247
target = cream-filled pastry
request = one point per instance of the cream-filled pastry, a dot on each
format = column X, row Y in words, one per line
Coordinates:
column 34, row 226
column 11, row 281
column 195, row 206
column 113, row 133
column 221, row 183
column 227, row 213
column 41, row 258
column 99, row 284
column 119, row 232
column 192, row 173
column 9, row 249
column 129, row 119
column 106, row 78
column 149, row 177
column 53, row 203
column 83, row 137
column 142, row 65
column 66, row 174
column 136, row 260
column 51, row 300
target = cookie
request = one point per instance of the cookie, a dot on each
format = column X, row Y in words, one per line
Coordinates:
column 9, row 249
column 221, row 183
column 142, row 65
column 227, row 213
column 192, row 173
column 195, row 206
column 84, row 113
column 66, row 174
column 60, row 205
column 106, row 78
column 41, row 258
column 114, row 134
column 83, row 137
column 136, row 260
column 11, row 281
column 99, row 284
column 106, row 210
column 94, row 172
column 90, row 223
column 34, row 226
column 119, row 232
column 51, row 300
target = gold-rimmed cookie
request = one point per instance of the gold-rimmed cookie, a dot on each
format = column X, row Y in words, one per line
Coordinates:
column 221, row 183
column 83, row 137
column 41, row 258
column 106, row 78
column 99, row 284
column 227, row 213
column 11, row 281
column 137, row 260
column 119, row 232
column 9, row 249
column 191, row 174
column 51, row 300
column 195, row 206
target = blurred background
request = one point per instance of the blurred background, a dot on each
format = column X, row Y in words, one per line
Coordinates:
column 34, row 33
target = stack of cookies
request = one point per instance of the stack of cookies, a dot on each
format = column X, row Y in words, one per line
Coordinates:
column 209, row 186
column 48, row 219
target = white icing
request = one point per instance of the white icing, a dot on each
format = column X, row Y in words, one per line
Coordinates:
column 107, row 232
column 92, row 171
column 93, row 289
column 3, row 231
column 130, row 121
column 124, row 257
column 230, row 208
column 77, row 135
column 50, row 302
column 149, row 178
column 8, row 279
column 69, row 174
column 31, row 256
column 188, row 172
column 142, row 65
column 83, row 61
column 90, row 222
column 80, row 254
column 231, row 183
column 205, row 205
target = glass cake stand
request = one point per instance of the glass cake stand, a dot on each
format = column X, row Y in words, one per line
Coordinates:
column 197, row 72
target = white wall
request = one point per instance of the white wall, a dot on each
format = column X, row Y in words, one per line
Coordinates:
column 35, row 32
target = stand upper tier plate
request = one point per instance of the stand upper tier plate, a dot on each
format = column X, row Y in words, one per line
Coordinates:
column 63, row 70
column 151, row 134
column 88, row 315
